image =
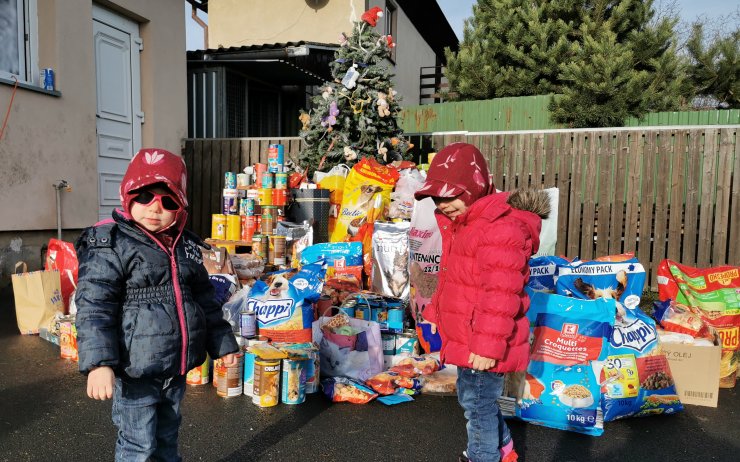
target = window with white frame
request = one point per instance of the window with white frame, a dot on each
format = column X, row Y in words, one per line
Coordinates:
column 17, row 40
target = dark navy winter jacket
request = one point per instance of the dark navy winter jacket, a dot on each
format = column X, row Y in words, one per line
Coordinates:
column 133, row 315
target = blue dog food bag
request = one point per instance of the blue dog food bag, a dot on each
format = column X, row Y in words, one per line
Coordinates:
column 570, row 343
column 543, row 272
column 621, row 280
column 636, row 378
column 283, row 303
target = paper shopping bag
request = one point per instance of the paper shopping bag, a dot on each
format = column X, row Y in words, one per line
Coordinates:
column 38, row 298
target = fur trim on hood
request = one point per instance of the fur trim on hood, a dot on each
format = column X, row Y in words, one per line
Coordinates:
column 530, row 200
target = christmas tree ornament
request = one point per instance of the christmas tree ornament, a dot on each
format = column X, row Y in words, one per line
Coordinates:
column 326, row 94
column 382, row 103
column 331, row 119
column 349, row 154
column 350, row 78
column 372, row 15
column 343, row 40
column 305, row 120
column 389, row 41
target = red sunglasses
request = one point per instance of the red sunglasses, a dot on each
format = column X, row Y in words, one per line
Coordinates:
column 147, row 197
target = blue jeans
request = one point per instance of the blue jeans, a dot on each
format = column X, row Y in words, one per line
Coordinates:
column 147, row 415
column 477, row 392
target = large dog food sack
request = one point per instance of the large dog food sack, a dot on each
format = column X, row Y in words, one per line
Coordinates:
column 623, row 280
column 636, row 379
column 283, row 303
column 570, row 343
column 366, row 195
column 425, row 253
column 714, row 295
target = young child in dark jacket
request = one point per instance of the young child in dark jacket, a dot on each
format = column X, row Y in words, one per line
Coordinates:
column 480, row 305
column 145, row 308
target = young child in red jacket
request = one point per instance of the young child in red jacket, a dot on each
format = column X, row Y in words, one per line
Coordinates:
column 480, row 304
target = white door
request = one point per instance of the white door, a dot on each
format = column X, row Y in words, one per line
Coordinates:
column 119, row 117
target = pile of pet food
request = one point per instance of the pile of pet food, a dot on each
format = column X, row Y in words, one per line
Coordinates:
column 596, row 356
column 338, row 309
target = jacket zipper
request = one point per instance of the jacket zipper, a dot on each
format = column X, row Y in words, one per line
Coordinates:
column 178, row 297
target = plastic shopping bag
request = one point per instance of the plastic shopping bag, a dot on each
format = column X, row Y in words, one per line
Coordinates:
column 359, row 360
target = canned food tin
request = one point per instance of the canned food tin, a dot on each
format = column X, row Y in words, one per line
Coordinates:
column 348, row 310
column 248, row 373
column 389, row 343
column 257, row 248
column 407, row 342
column 229, row 180
column 362, row 312
column 199, row 375
column 230, row 206
column 259, row 170
column 268, row 180
column 294, row 381
column 268, row 220
column 265, row 197
column 230, row 379
column 313, row 369
column 233, row 227
column 248, row 323
column 266, row 382
column 242, row 180
column 279, row 197
column 246, row 207
column 249, row 225
column 278, row 250
column 281, row 181
column 275, row 158
column 218, row 226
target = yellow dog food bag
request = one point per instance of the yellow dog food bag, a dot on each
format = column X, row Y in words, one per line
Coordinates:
column 366, row 197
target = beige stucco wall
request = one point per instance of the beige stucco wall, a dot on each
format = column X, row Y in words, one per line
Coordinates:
column 236, row 23
column 50, row 138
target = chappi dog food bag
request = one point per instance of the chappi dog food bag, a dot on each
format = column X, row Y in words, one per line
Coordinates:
column 283, row 303
column 636, row 379
column 570, row 343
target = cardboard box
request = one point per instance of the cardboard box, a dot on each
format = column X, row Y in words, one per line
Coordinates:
column 695, row 370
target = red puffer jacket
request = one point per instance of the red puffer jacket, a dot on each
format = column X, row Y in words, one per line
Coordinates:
column 480, row 304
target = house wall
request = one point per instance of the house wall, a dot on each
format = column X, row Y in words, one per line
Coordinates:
column 49, row 137
column 236, row 23
column 412, row 53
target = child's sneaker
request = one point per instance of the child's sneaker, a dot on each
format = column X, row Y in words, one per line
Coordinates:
column 463, row 457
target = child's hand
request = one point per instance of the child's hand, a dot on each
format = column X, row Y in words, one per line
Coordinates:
column 100, row 383
column 480, row 363
column 229, row 360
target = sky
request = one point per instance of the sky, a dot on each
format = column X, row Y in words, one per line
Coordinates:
column 457, row 10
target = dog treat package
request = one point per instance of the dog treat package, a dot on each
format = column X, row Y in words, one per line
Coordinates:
column 343, row 389
column 543, row 272
column 623, row 280
column 678, row 318
column 714, row 295
column 367, row 194
column 391, row 259
column 425, row 252
column 283, row 303
column 341, row 257
column 298, row 236
column 636, row 378
column 402, row 197
column 386, row 383
column 561, row 387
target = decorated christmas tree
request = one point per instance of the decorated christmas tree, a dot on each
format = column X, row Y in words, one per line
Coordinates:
column 355, row 115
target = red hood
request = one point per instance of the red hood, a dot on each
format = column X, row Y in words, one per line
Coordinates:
column 150, row 166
